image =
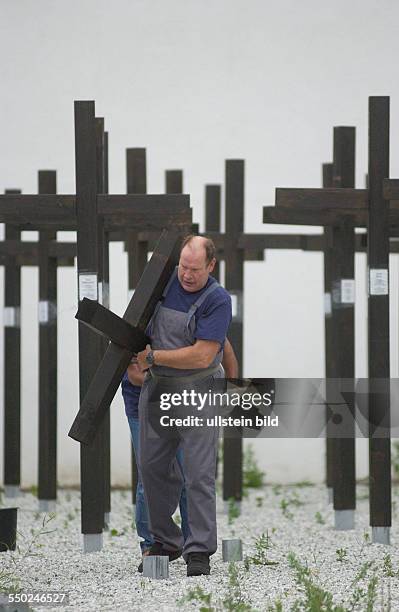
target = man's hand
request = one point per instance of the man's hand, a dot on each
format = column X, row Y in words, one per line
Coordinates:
column 141, row 358
column 135, row 375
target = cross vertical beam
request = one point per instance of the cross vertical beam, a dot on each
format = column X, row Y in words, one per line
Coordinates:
column 136, row 177
column 12, row 366
column 328, row 333
column 378, row 321
column 212, row 215
column 90, row 345
column 174, row 181
column 103, row 298
column 343, row 303
column 234, row 281
column 47, row 464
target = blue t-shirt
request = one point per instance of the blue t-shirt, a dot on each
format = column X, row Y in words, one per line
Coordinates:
column 212, row 318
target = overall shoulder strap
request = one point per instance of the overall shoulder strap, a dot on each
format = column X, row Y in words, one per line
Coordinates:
column 194, row 307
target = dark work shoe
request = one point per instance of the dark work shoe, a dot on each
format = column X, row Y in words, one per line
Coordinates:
column 198, row 564
column 157, row 549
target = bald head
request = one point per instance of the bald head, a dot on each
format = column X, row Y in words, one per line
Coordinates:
column 197, row 261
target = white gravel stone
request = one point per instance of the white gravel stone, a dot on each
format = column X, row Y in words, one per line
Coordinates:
column 108, row 580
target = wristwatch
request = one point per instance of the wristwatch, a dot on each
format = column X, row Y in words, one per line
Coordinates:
column 150, row 358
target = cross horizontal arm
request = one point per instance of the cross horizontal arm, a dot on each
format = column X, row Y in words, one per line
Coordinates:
column 109, row 374
column 131, row 210
column 391, row 191
column 59, row 250
column 108, row 324
column 322, row 198
column 291, row 216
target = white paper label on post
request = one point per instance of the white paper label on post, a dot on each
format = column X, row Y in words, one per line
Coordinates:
column 327, row 304
column 234, row 302
column 11, row 316
column 44, row 311
column 130, row 294
column 88, row 286
column 105, row 295
column 378, row 281
column 347, row 291
column 100, row 292
column 236, row 305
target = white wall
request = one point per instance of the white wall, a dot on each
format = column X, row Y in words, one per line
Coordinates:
column 197, row 82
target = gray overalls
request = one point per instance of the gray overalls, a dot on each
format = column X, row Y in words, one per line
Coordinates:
column 160, row 472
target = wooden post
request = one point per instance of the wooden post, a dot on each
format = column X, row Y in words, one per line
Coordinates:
column 234, row 277
column 212, row 215
column 90, row 345
column 12, row 367
column 174, row 181
column 343, row 306
column 328, row 334
column 378, row 320
column 103, row 298
column 47, row 477
column 136, row 177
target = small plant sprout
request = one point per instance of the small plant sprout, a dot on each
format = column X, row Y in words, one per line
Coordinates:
column 341, row 554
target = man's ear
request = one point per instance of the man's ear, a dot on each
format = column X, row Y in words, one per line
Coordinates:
column 211, row 265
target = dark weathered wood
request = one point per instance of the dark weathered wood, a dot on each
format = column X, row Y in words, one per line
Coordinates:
column 90, row 345
column 343, row 271
column 378, row 314
column 103, row 297
column 116, row 359
column 328, row 329
column 30, row 250
column 289, row 216
column 174, row 181
column 137, row 250
column 327, row 198
column 47, row 463
column 119, row 211
column 234, row 283
column 12, row 363
column 212, row 217
column 391, row 190
column 112, row 327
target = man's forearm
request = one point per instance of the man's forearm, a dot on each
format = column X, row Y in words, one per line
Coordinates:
column 187, row 357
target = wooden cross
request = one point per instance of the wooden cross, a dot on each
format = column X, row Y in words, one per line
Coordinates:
column 47, row 254
column 348, row 208
column 92, row 213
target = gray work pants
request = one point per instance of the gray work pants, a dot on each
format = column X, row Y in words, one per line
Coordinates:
column 163, row 480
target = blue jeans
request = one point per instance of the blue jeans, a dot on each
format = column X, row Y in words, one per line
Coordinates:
column 142, row 526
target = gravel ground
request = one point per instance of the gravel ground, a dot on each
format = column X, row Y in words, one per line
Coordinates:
column 296, row 519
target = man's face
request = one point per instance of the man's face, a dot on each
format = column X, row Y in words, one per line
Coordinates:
column 193, row 271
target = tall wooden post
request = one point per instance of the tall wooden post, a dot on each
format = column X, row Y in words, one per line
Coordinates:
column 103, row 298
column 343, row 306
column 90, row 344
column 234, row 280
column 328, row 334
column 47, row 478
column 378, row 322
column 136, row 177
column 12, row 367
column 213, row 215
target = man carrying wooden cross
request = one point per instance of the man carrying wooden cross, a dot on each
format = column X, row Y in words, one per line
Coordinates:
column 188, row 332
